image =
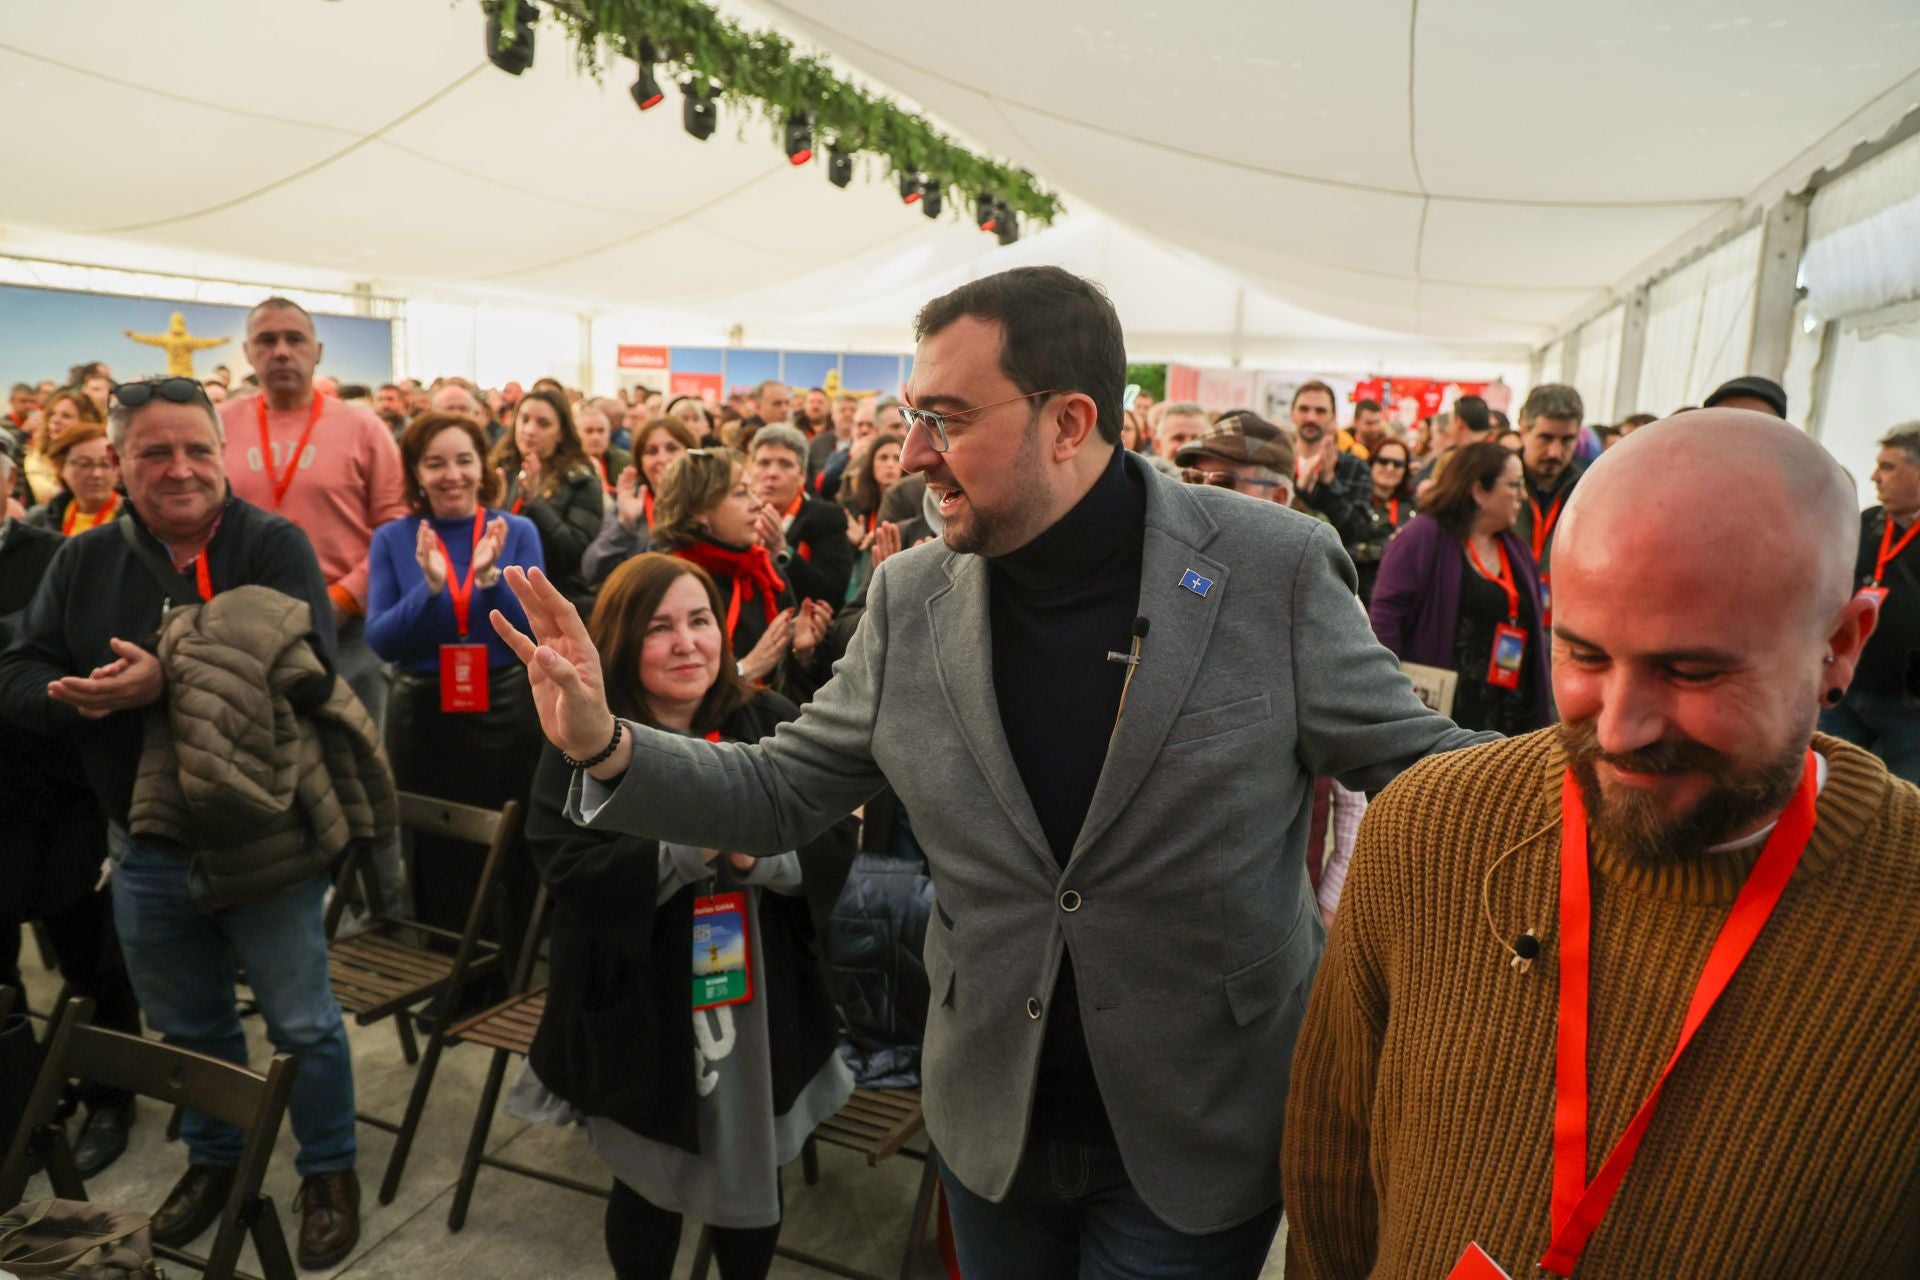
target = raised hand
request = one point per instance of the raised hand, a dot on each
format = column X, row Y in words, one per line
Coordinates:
column 426, row 550
column 810, row 627
column 563, row 670
column 768, row 650
column 766, row 527
column 630, row 504
column 886, row 542
column 529, row 475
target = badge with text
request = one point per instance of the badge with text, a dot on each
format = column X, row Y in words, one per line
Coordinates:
column 1509, row 652
column 463, row 677
column 1474, row 1264
column 1875, row 596
column 722, row 971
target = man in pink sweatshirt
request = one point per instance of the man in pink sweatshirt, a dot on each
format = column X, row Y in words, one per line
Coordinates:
column 330, row 467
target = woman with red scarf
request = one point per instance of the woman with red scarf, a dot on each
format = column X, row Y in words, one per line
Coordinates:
column 704, row 514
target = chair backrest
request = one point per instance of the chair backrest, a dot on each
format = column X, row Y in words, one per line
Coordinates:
column 445, row 818
column 489, row 829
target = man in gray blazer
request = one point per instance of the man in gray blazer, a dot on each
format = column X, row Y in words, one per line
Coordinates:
column 1125, row 933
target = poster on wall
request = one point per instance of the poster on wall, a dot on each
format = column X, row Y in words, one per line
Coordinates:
column 707, row 386
column 44, row 332
column 1407, row 400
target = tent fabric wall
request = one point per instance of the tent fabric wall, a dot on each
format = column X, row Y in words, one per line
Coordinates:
column 1597, row 367
column 1874, row 386
column 1863, row 237
column 1700, row 325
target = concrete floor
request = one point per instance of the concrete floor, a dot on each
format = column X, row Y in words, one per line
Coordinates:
column 516, row 1227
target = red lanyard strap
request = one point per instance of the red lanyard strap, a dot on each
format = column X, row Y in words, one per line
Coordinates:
column 1508, row 582
column 282, row 483
column 462, row 592
column 1543, row 523
column 1889, row 549
column 73, row 514
column 1578, row 1205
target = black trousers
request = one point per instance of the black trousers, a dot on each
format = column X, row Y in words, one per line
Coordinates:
column 479, row 758
column 643, row 1239
column 88, row 949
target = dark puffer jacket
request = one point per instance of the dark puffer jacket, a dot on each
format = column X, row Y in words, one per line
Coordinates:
column 874, row 941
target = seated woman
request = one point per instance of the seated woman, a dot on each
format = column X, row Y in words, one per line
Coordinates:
column 705, row 515
column 1457, row 590
column 550, row 481
column 694, row 1103
column 461, row 723
column 89, row 478
column 624, row 530
column 876, row 469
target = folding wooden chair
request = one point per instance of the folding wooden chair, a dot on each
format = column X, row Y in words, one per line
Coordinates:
column 877, row 1123
column 508, row 1029
column 253, row 1102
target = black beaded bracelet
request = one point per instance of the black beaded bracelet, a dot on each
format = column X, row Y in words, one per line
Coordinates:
column 619, row 727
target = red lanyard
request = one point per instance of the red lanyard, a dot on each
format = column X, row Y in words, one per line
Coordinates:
column 202, row 576
column 1505, row 578
column 799, row 500
column 1393, row 512
column 1543, row 523
column 105, row 514
column 606, row 481
column 1889, row 549
column 1579, row 1205
column 282, row 483
column 713, row 736
column 462, row 592
column 646, row 496
column 733, row 606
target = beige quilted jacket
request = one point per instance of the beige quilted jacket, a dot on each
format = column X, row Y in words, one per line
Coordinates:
column 258, row 760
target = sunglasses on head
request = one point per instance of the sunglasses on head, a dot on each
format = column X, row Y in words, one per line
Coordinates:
column 172, row 390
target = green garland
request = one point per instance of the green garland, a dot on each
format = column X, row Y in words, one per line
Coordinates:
column 762, row 73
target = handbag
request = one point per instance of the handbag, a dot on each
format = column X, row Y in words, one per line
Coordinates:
column 76, row 1240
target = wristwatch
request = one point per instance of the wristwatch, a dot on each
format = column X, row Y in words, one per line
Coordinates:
column 740, row 669
column 783, row 558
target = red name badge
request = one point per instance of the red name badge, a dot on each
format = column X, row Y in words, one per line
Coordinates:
column 722, row 969
column 463, row 677
column 1474, row 1264
column 1875, row 596
column 1509, row 652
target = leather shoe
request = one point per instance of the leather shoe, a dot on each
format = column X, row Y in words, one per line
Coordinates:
column 193, row 1205
column 103, row 1138
column 329, row 1205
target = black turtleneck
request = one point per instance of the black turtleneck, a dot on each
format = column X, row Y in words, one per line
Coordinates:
column 1060, row 604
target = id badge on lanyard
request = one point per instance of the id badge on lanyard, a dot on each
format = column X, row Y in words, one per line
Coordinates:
column 1474, row 1264
column 722, row 967
column 1509, row 653
column 463, row 667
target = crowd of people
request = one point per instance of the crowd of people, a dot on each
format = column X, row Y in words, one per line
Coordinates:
column 1129, row 683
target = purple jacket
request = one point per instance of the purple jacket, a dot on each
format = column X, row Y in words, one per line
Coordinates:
column 1416, row 601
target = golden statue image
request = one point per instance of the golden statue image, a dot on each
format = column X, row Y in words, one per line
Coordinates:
column 831, row 385
column 178, row 344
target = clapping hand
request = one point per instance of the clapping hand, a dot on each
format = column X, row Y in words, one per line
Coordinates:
column 133, row 679
column 767, row 527
column 426, row 550
column 629, row 502
column 486, row 552
column 886, row 542
column 810, row 628
column 769, row 649
column 563, row 670
column 529, row 474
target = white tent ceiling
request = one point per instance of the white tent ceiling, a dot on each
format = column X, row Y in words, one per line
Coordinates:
column 1460, row 177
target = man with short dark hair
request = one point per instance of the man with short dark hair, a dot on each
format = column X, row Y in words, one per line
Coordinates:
column 831, row 446
column 773, row 402
column 21, row 404
column 1881, row 711
column 1116, row 960
column 1369, row 426
column 1549, row 433
column 1334, row 483
column 390, row 402
column 77, row 668
column 813, row 416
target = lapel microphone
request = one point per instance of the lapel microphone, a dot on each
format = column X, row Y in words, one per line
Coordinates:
column 1132, row 661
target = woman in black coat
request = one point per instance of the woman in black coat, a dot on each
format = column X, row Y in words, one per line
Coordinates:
column 548, row 478
column 694, row 1103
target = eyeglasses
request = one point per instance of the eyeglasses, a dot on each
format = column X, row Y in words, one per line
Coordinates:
column 1227, row 479
column 935, row 422
column 173, row 390
column 1398, row 464
column 83, row 464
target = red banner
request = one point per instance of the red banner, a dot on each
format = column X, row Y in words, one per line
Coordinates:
column 641, row 357
column 1412, row 398
column 704, row 385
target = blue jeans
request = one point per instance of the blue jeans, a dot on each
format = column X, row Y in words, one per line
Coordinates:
column 1072, row 1214
column 181, row 957
column 1887, row 725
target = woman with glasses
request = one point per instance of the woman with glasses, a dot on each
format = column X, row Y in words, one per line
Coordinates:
column 694, row 1101
column 549, row 479
column 64, row 411
column 89, row 483
column 705, row 515
column 1392, row 507
column 1457, row 590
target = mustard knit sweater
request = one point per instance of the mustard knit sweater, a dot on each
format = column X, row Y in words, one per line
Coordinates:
column 1787, row 1142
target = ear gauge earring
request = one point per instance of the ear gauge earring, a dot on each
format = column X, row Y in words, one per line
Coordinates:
column 1833, row 697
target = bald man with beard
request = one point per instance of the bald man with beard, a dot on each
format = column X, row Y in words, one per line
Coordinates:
column 1526, row 926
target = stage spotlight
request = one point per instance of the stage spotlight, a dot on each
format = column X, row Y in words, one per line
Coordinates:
column 930, row 198
column 1008, row 229
column 909, row 188
column 986, row 212
column 839, row 166
column 647, row 93
column 696, row 110
column 799, row 138
column 511, row 50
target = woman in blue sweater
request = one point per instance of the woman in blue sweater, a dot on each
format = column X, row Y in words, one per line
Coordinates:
column 460, row 723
